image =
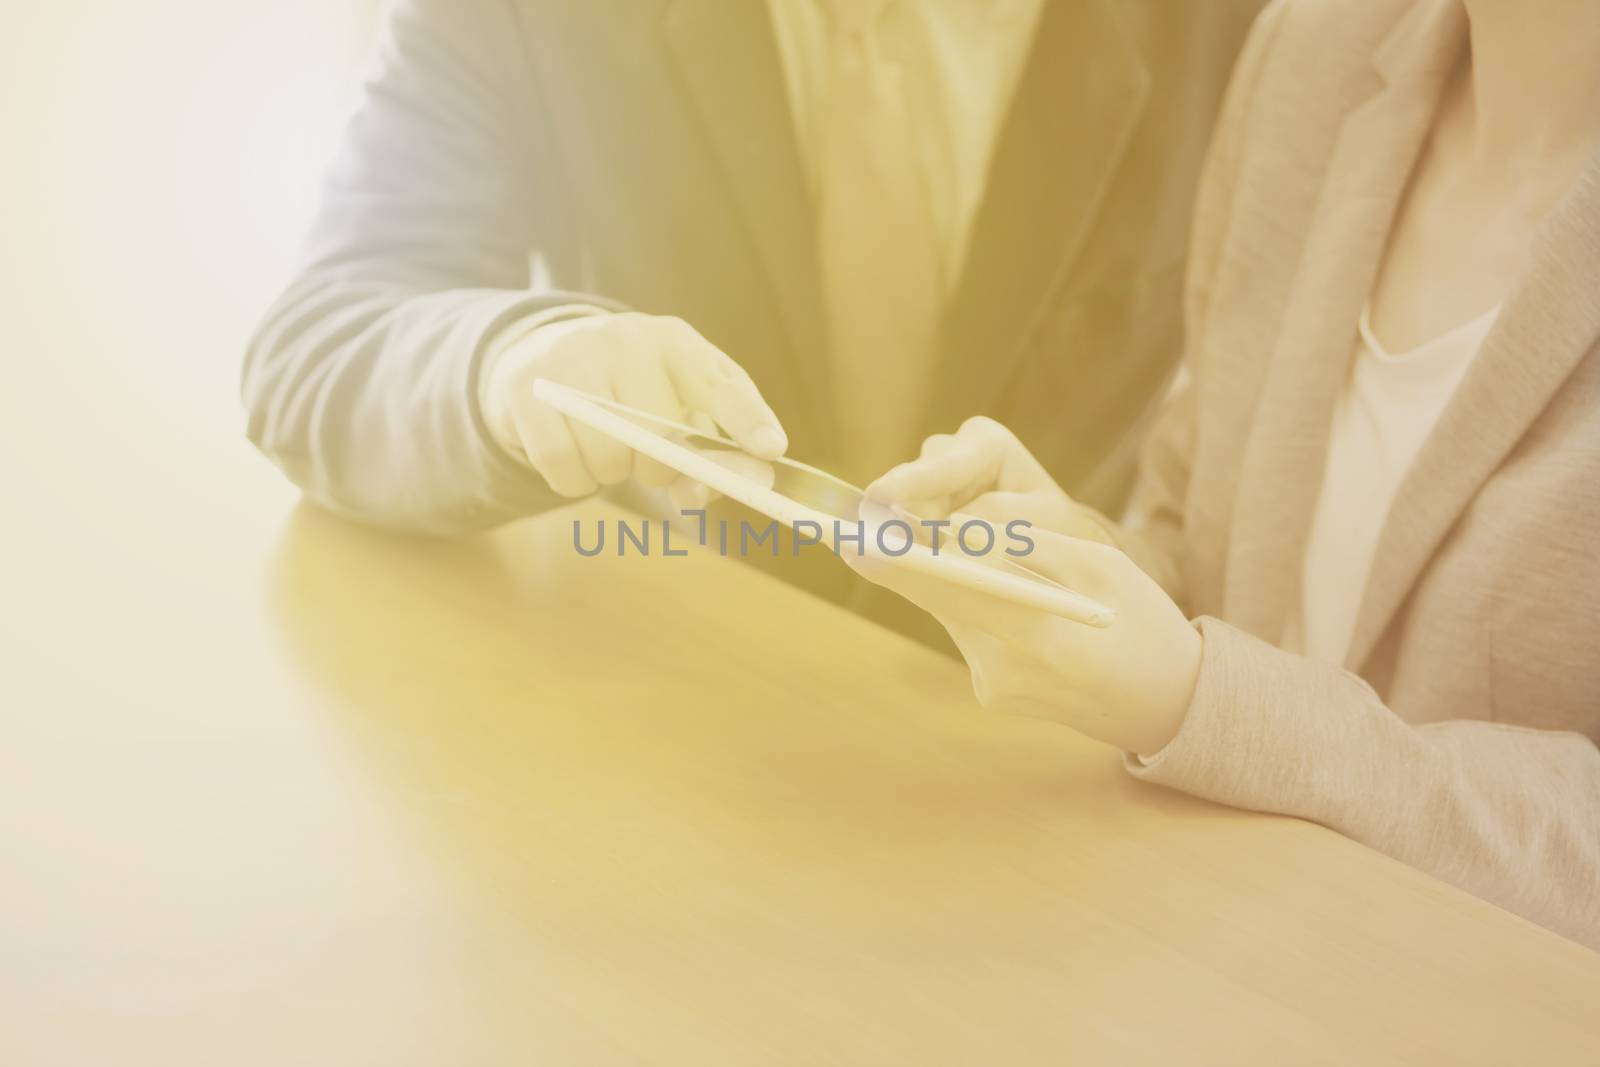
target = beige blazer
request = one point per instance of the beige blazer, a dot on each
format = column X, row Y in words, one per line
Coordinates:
column 1460, row 734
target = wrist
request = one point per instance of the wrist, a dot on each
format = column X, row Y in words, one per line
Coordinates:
column 492, row 398
column 1174, row 695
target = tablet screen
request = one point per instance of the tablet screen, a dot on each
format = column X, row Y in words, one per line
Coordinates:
column 820, row 493
column 805, row 485
column 796, row 493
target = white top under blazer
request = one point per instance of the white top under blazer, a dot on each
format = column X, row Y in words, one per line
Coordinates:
column 1389, row 405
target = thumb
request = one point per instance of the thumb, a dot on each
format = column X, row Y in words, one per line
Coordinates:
column 954, row 472
column 1054, row 511
column 709, row 382
column 1088, row 567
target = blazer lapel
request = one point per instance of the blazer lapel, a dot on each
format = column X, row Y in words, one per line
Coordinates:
column 1076, row 105
column 1281, row 471
column 727, row 59
column 1548, row 325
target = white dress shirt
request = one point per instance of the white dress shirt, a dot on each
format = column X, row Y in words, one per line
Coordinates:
column 961, row 61
column 1389, row 406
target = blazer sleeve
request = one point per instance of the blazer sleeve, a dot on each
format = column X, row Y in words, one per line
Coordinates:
column 361, row 381
column 1508, row 813
column 1153, row 532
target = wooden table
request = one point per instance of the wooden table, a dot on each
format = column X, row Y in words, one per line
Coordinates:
column 321, row 795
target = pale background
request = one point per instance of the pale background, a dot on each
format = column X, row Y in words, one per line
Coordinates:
column 160, row 164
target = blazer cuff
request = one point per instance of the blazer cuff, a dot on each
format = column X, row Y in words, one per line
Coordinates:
column 503, row 436
column 1252, row 737
column 489, row 486
column 515, row 489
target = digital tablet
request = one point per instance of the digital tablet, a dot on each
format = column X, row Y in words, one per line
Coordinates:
column 804, row 497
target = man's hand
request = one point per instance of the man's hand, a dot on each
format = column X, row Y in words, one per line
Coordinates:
column 655, row 363
column 982, row 471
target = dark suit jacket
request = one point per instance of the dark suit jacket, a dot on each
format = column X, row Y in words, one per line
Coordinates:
column 513, row 154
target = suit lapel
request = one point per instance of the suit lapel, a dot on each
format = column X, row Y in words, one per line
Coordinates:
column 727, row 59
column 1080, row 96
column 1545, row 329
column 1281, row 472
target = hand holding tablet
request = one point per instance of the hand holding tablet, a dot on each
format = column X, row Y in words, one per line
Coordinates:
column 806, row 498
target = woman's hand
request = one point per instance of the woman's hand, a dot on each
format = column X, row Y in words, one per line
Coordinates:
column 984, row 472
column 1128, row 684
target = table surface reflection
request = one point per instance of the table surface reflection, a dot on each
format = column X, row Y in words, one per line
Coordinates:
column 349, row 797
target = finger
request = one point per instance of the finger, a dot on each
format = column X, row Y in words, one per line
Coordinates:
column 938, row 446
column 1019, row 469
column 686, row 494
column 708, row 381
column 982, row 653
column 932, row 508
column 925, row 517
column 937, row 507
column 1050, row 511
column 978, row 538
column 644, row 384
column 957, row 471
column 1058, row 513
column 1092, row 568
column 991, row 660
column 1000, row 508
column 552, row 451
column 748, row 467
column 951, row 603
column 955, row 603
column 609, row 461
column 993, row 664
column 994, row 545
